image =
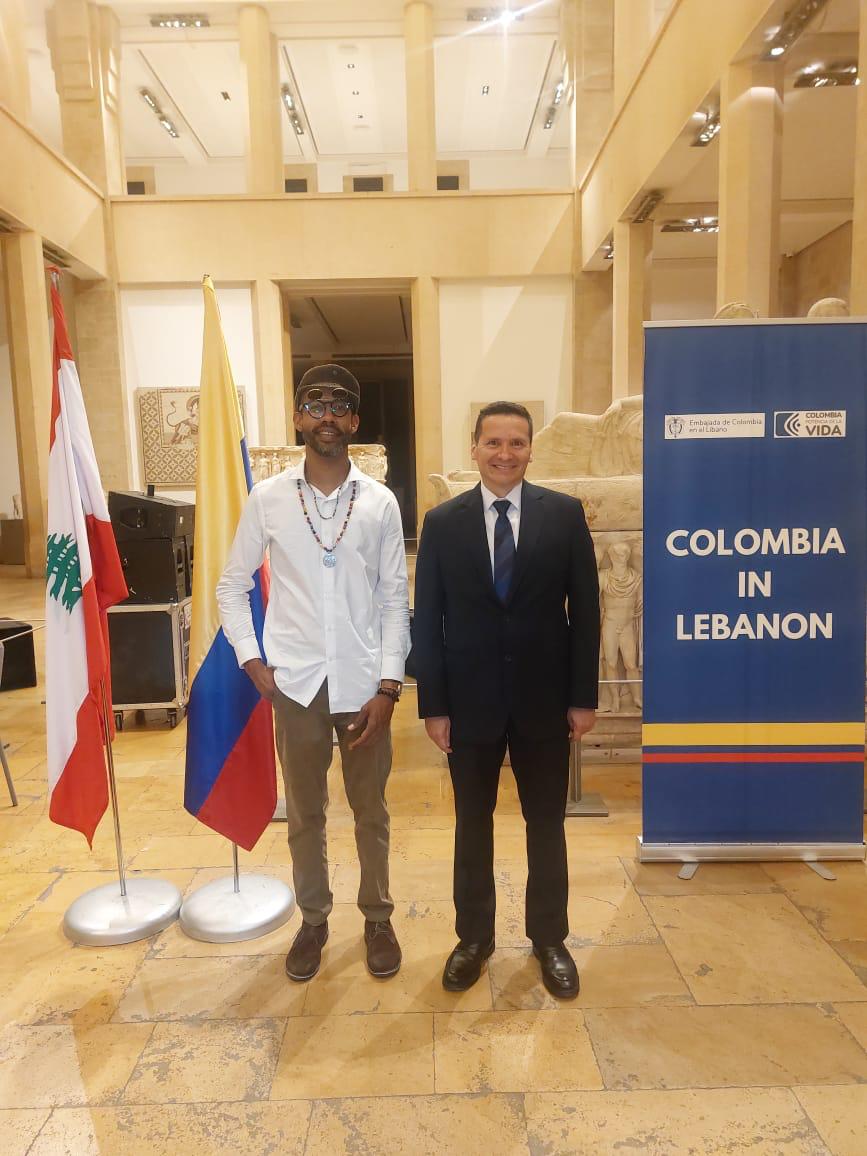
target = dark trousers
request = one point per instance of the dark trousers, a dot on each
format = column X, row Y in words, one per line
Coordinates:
column 541, row 769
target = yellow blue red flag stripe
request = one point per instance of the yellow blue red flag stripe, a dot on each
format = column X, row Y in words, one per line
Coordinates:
column 230, row 768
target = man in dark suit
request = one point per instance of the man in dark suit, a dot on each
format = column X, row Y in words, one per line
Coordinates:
column 506, row 651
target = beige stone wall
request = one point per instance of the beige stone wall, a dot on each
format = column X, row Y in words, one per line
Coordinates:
column 821, row 270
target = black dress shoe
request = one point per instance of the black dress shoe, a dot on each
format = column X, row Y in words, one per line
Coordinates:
column 305, row 954
column 464, row 965
column 559, row 973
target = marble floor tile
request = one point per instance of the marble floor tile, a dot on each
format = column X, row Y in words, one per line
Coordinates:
column 720, row 1122
column 19, row 1127
column 418, row 1125
column 750, row 949
column 854, row 952
column 41, row 1067
column 177, row 1130
column 838, row 908
column 19, row 892
column 840, row 1117
column 610, row 977
column 46, row 979
column 710, row 879
column 410, row 882
column 355, row 1055
column 513, row 1051
column 210, row 1060
column 417, row 987
column 854, row 1016
column 707, row 1047
column 161, row 852
column 211, row 989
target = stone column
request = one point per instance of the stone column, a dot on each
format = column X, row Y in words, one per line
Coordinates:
column 427, row 389
column 268, row 343
column 30, row 356
column 633, row 28
column 633, row 246
column 421, row 136
column 85, row 53
column 14, row 76
column 264, row 140
column 751, row 115
column 858, row 292
column 100, row 358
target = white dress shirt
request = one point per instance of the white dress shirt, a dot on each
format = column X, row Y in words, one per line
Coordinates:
column 349, row 623
column 513, row 514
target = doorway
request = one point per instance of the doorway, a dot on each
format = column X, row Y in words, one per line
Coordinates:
column 368, row 330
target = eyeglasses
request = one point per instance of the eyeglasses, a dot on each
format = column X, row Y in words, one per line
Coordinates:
column 337, row 406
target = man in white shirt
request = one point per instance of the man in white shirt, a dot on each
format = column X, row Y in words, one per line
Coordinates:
column 336, row 638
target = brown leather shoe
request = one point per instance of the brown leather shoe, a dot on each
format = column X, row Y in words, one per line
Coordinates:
column 305, row 954
column 383, row 950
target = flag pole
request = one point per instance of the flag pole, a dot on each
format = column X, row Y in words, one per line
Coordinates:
column 112, row 787
column 237, row 880
column 142, row 906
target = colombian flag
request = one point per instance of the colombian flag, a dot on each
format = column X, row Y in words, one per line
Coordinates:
column 231, row 782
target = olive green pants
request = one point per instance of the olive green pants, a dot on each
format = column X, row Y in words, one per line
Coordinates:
column 305, row 745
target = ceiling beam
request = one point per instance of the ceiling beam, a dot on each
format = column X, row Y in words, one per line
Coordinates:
column 684, row 63
column 41, row 192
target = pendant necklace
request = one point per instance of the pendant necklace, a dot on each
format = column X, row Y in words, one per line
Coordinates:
column 328, row 556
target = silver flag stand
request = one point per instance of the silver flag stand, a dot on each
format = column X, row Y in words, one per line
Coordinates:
column 237, row 907
column 130, row 909
column 578, row 803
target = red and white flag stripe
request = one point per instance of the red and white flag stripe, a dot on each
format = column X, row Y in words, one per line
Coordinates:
column 84, row 578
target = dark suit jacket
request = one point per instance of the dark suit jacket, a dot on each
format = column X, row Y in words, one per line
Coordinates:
column 481, row 662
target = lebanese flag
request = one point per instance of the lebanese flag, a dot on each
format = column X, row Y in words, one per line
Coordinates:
column 84, row 577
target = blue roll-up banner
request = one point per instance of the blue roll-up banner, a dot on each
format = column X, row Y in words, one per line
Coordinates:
column 755, row 504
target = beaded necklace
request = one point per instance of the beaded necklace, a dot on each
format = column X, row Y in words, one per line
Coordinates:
column 328, row 558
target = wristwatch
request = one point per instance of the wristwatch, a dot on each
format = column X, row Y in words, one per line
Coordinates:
column 392, row 692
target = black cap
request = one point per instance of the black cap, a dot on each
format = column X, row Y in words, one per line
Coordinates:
column 339, row 379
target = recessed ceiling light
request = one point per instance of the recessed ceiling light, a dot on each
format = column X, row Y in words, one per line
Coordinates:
column 350, row 66
column 225, row 95
column 486, row 88
column 781, row 38
column 355, row 92
column 187, row 21
column 708, row 131
column 360, row 116
column 839, row 74
column 691, row 225
column 153, row 104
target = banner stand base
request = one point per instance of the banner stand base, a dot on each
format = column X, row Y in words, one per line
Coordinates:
column 744, row 852
column 103, row 917
column 217, row 913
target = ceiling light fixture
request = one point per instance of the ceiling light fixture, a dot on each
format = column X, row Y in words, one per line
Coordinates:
column 291, row 109
column 708, row 131
column 781, row 39
column 504, row 16
column 691, row 225
column 153, row 104
column 180, row 22
column 646, row 206
column 558, row 91
column 350, row 67
column 841, row 73
column 549, row 117
column 608, row 250
column 486, row 88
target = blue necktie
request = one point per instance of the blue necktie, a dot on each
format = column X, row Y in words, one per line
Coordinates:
column 504, row 550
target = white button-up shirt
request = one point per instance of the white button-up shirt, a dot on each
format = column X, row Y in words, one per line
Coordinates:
column 349, row 623
column 513, row 514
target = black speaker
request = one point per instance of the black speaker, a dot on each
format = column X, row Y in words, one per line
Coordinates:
column 157, row 569
column 19, row 660
column 149, row 651
column 136, row 516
